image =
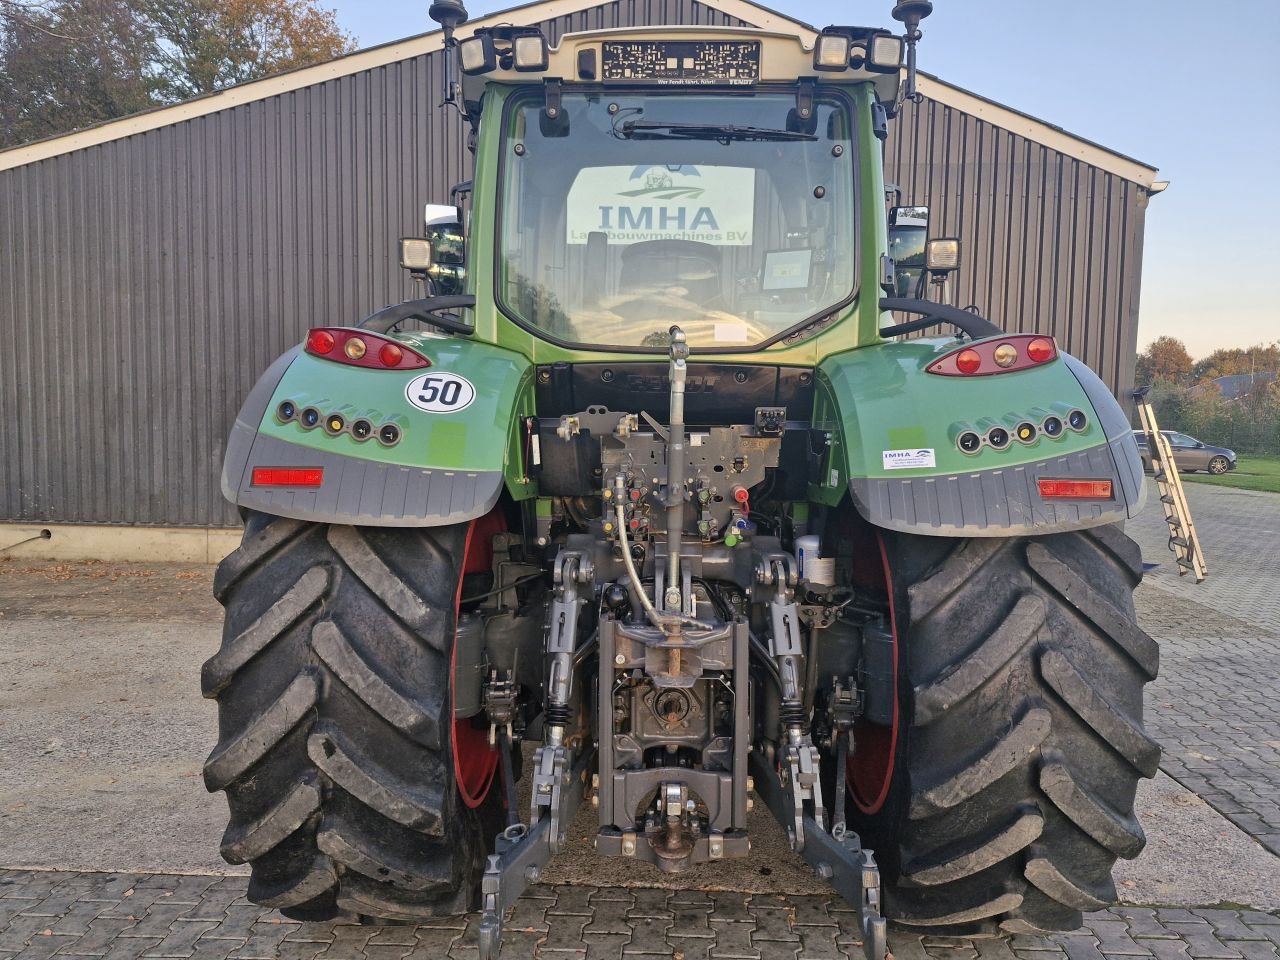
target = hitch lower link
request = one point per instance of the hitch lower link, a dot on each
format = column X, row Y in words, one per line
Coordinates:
column 560, row 772
column 523, row 852
column 791, row 785
column 837, row 857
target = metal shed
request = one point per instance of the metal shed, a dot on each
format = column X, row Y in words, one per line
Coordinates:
column 152, row 267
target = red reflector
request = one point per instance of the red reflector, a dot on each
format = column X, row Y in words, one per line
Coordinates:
column 968, row 361
column 320, row 341
column 1075, row 489
column 288, row 476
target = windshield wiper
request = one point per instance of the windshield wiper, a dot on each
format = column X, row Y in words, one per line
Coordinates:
column 722, row 133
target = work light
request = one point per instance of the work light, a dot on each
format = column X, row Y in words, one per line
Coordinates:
column 415, row 253
column 942, row 255
column 478, row 55
column 886, row 51
column 831, row 52
column 529, row 52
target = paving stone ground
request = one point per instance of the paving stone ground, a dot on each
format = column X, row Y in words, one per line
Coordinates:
column 1216, row 707
column 1239, row 531
column 161, row 916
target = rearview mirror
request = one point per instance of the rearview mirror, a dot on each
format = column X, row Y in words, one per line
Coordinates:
column 448, row 249
column 908, row 234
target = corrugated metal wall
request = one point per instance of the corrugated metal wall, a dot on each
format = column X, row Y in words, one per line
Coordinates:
column 146, row 282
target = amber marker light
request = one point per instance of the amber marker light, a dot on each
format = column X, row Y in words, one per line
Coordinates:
column 288, row 476
column 1074, row 489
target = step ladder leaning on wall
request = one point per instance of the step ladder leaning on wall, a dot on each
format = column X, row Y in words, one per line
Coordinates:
column 1182, row 532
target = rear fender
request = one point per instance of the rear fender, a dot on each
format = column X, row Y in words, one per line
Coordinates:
column 891, row 433
column 447, row 467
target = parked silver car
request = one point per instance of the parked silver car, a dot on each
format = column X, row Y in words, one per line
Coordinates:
column 1189, row 453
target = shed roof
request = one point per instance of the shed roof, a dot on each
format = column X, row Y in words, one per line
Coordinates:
column 932, row 87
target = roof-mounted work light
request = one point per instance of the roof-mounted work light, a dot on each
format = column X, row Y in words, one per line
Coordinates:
column 529, row 52
column 831, row 51
column 885, row 53
column 478, row 54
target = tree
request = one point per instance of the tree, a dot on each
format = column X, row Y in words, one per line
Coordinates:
column 1261, row 358
column 70, row 64
column 1165, row 360
column 206, row 45
column 67, row 64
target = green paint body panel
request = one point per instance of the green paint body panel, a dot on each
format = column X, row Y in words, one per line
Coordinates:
column 483, row 437
column 882, row 399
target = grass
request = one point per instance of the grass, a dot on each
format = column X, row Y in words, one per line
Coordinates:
column 1251, row 473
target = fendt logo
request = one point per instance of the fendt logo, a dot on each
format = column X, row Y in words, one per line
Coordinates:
column 639, row 383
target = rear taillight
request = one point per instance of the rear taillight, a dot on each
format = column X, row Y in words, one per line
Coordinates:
column 1074, row 489
column 359, row 348
column 288, row 476
column 996, row 356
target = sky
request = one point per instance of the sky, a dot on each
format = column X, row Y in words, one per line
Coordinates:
column 1189, row 86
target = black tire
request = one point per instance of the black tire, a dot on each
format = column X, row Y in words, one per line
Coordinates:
column 1020, row 745
column 1218, row 466
column 335, row 721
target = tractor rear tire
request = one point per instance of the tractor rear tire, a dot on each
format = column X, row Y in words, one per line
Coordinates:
column 1020, row 740
column 335, row 721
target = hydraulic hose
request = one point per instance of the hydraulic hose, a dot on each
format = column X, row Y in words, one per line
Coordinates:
column 620, row 514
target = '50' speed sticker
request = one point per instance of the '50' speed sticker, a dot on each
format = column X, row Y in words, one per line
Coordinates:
column 440, row 392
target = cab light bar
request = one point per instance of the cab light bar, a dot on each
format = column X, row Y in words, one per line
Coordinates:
column 1074, row 489
column 997, row 355
column 288, row 476
column 358, row 348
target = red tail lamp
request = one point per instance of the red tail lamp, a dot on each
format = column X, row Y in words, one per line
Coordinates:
column 358, row 348
column 288, row 476
column 997, row 355
column 1074, row 489
column 968, row 361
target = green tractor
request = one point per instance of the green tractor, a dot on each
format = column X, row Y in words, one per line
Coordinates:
column 652, row 478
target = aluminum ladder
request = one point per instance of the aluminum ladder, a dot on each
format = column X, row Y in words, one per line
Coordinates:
column 1182, row 532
